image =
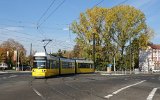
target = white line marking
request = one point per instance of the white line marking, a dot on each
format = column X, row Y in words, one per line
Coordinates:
column 38, row 93
column 151, row 94
column 12, row 76
column 108, row 96
column 119, row 90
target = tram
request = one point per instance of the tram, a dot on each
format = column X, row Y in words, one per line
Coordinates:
column 46, row 65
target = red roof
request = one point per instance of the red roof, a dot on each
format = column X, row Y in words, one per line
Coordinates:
column 154, row 46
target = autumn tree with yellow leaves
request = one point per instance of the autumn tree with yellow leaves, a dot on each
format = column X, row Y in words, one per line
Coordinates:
column 116, row 30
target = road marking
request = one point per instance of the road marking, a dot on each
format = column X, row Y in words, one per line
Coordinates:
column 12, row 76
column 108, row 96
column 151, row 94
column 38, row 93
column 119, row 90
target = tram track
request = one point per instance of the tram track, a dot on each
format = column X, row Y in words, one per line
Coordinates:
column 59, row 91
column 88, row 91
column 35, row 90
column 50, row 90
column 46, row 91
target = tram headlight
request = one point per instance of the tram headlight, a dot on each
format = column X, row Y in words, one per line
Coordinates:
column 43, row 70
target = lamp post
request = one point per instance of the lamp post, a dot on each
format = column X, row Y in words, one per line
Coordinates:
column 130, row 55
column 114, row 63
column 94, row 51
column 18, row 59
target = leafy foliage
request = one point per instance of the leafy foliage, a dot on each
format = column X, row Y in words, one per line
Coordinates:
column 7, row 52
column 117, row 30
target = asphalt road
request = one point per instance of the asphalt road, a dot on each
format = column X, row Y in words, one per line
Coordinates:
column 21, row 86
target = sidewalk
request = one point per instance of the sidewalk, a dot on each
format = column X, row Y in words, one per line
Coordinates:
column 124, row 73
column 13, row 71
column 111, row 73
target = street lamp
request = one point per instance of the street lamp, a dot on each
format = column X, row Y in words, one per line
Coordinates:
column 94, row 51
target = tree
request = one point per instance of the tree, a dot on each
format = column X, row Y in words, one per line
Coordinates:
column 10, row 46
column 3, row 55
column 139, row 43
column 123, row 24
column 91, row 22
column 60, row 54
column 116, row 29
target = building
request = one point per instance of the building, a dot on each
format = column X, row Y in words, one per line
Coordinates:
column 149, row 59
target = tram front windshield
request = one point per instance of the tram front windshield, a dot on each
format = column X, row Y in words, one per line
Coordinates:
column 39, row 63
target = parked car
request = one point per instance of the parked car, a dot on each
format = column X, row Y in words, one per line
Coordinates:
column 3, row 66
column 24, row 68
column 154, row 71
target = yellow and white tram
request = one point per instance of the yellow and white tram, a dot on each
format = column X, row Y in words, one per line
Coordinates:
column 46, row 65
column 84, row 66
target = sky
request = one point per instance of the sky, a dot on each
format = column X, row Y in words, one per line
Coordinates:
column 31, row 21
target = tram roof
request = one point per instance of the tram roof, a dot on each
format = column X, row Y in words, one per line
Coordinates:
column 40, row 54
column 67, row 60
column 84, row 61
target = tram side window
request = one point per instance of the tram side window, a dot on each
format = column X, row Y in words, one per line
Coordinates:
column 65, row 64
column 71, row 65
column 80, row 65
column 84, row 65
column 51, row 64
column 54, row 64
column 91, row 65
column 48, row 64
column 87, row 65
column 58, row 64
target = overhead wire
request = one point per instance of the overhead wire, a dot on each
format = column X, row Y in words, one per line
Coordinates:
column 62, row 42
column 122, row 2
column 78, row 18
column 39, row 23
column 17, row 32
column 98, row 3
column 38, row 26
column 51, row 13
column 20, row 37
column 21, row 40
column 46, row 11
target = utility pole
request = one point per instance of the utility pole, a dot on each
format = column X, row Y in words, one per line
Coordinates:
column 30, row 57
column 94, row 51
column 46, row 42
column 31, row 50
column 130, row 56
column 18, row 59
column 114, row 63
